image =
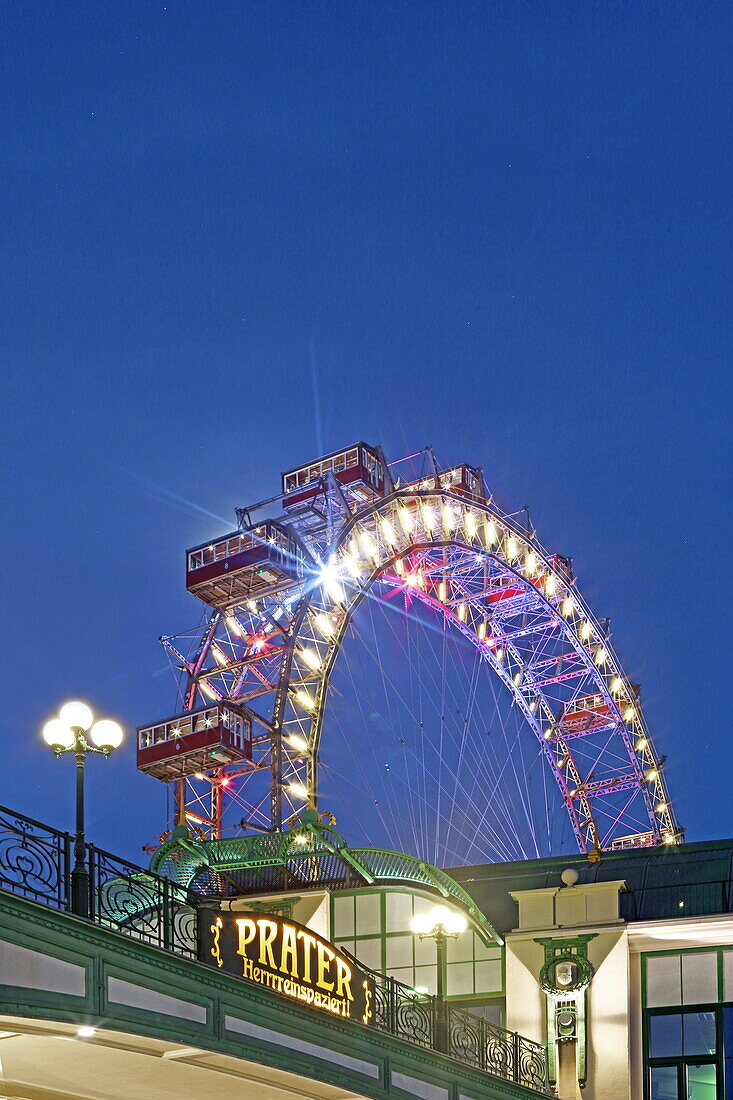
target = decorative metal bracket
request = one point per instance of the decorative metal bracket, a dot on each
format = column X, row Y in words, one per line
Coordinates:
column 564, row 978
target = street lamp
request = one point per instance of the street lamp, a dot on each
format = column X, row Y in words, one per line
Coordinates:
column 440, row 924
column 67, row 734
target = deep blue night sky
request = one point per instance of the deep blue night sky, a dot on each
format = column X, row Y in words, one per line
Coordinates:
column 238, row 235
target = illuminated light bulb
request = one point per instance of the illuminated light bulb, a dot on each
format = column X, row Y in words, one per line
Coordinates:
column 455, row 923
column 517, row 678
column 439, row 914
column 257, row 643
column 351, row 565
column 462, row 612
column 669, row 838
column 106, row 734
column 601, row 656
column 500, row 654
column 388, row 531
column 298, row 742
column 661, row 808
column 328, row 579
column 550, row 584
column 469, row 522
column 354, row 549
column 252, row 606
column 199, row 775
column 399, row 566
column 421, row 924
column 547, row 734
column 369, row 546
column 617, row 685
column 481, row 631
column 225, row 781
column 300, row 839
column 310, row 658
column 641, row 744
column 298, row 790
column 428, row 517
column 336, row 591
column 57, row 734
column 305, row 699
column 449, row 518
column 325, row 624
column 568, row 606
column 585, row 630
column 533, row 706
column 442, row 591
column 208, row 689
column 85, row 1032
column 512, row 548
column 234, row 626
column 629, row 713
column 414, row 580
column 651, row 775
column 406, row 520
column 490, row 533
column 530, row 564
column 76, row 715
column 218, row 655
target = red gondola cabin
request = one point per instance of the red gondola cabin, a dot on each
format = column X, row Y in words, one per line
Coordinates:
column 464, row 480
column 360, row 470
column 592, row 712
column 195, row 742
column 242, row 565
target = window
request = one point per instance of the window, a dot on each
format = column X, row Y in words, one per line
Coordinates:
column 664, row 1083
column 689, row 1047
column 672, row 1035
column 682, row 979
column 377, row 925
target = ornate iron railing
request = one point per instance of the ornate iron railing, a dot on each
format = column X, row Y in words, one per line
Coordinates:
column 413, row 1016
column 36, row 861
column 495, row 1050
column 128, row 899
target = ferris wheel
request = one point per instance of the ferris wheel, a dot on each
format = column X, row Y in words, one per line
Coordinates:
column 400, row 650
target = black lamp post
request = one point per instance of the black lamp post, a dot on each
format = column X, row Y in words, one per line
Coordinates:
column 67, row 734
column 440, row 924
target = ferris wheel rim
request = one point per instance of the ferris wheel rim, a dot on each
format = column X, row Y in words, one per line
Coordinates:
column 381, row 507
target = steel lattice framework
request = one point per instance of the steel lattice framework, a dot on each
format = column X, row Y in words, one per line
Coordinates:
column 488, row 575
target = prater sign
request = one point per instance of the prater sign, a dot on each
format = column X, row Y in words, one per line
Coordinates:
column 289, row 959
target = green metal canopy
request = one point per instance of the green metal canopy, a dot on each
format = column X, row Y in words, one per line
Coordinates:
column 310, row 856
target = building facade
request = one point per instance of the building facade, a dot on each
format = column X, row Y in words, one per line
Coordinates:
column 609, row 979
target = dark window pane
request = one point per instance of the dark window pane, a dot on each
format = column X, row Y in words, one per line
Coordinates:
column 665, row 1036
column 728, row 1032
column 698, row 1029
column 664, row 1083
column 701, row 1083
column 728, row 1078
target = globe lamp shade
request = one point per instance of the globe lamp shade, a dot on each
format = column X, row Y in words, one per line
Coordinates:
column 439, row 914
column 57, row 734
column 455, row 924
column 76, row 715
column 421, row 924
column 106, row 734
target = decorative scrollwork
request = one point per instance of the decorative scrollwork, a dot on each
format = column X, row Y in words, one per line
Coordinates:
column 34, row 859
column 532, row 1069
column 35, row 862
